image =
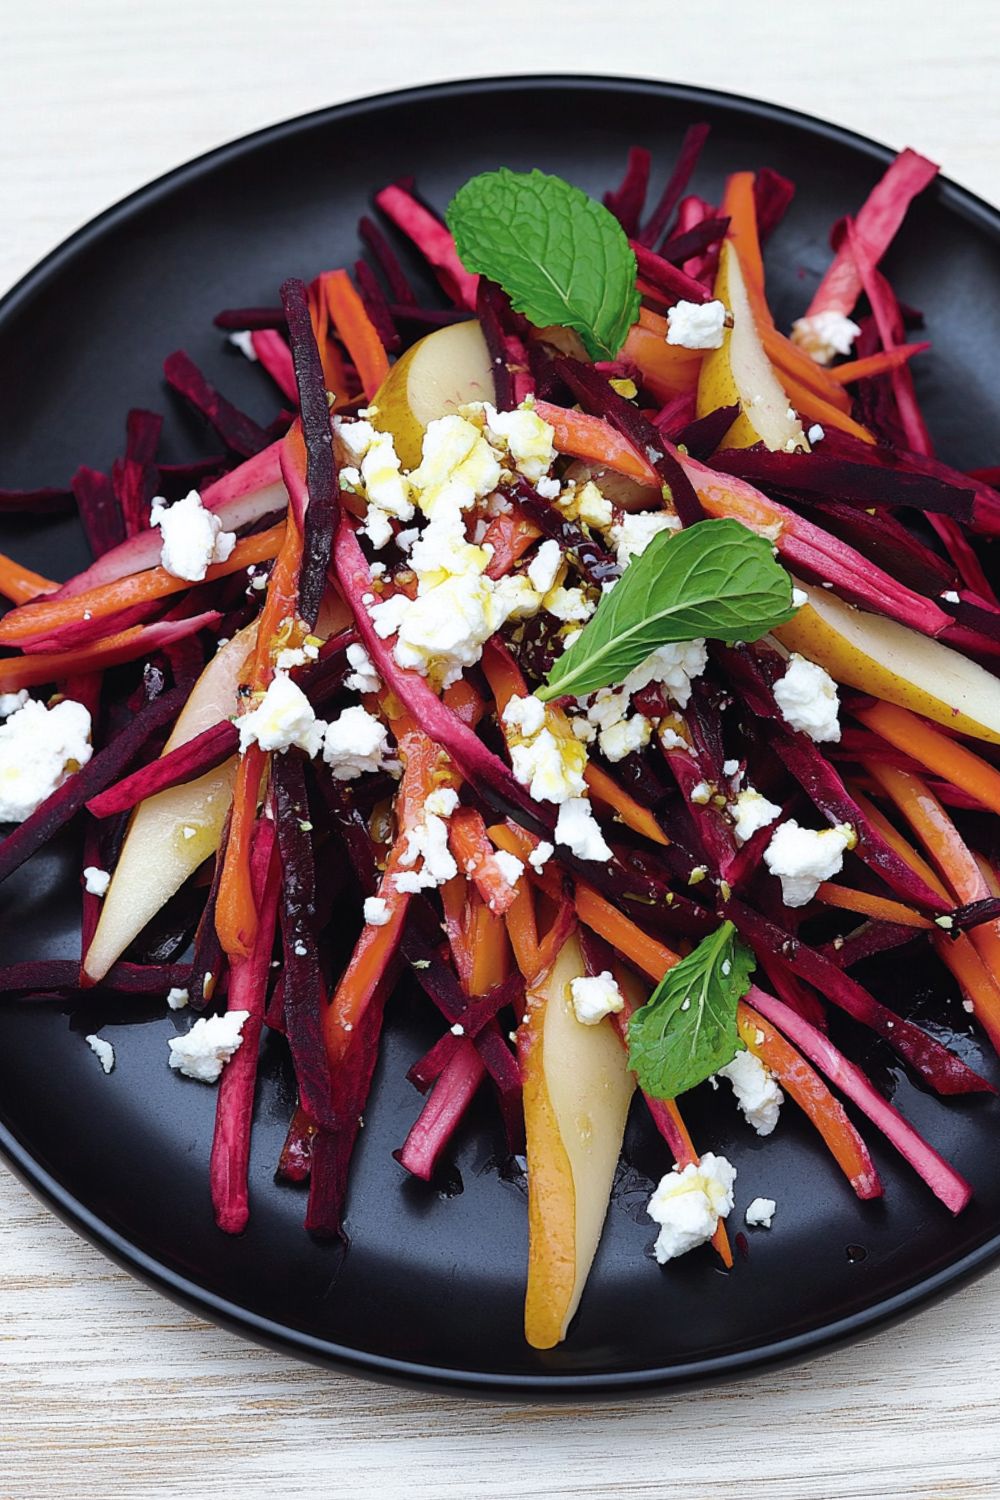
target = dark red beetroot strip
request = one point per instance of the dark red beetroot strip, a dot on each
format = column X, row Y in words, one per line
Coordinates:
column 589, row 556
column 248, row 979
column 772, row 195
column 428, row 1068
column 491, row 307
column 209, row 962
column 687, row 159
column 304, row 997
column 100, row 512
column 628, row 200
column 178, row 478
column 889, row 544
column 676, row 414
column 702, row 436
column 942, row 1179
column 388, row 263
column 237, row 319
column 135, row 477
column 238, row 431
column 46, row 502
column 692, row 243
column 876, row 482
column 945, row 1072
column 676, row 285
column 712, row 831
column 376, row 305
column 321, row 472
column 296, row 1154
column 101, row 769
column 476, row 1016
column 428, row 317
column 451, row 1096
column 206, row 751
column 867, row 940
column 62, row 976
column 793, row 992
column 597, row 397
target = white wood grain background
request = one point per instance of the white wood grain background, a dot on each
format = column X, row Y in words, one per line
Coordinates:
column 105, row 1388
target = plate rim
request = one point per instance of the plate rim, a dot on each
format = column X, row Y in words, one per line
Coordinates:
column 242, row 1320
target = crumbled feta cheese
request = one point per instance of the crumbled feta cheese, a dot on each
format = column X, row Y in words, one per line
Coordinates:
column 569, row 604
column 633, row 533
column 688, row 1205
column 816, row 434
column 39, row 749
column 428, row 842
column 457, row 466
column 203, row 1052
column 949, row 596
column 540, row 856
column 283, row 718
column 592, row 508
column 609, row 706
column 377, row 912
column 807, row 697
column 355, row 742
column 385, row 486
column 291, row 656
column 551, row 768
column 357, row 437
column 671, row 740
column 104, row 1050
column 527, row 438
column 760, row 1213
column 525, row 714
column 11, row 702
column 242, row 339
column 701, row 794
column 442, row 802
column 577, row 829
column 596, row 997
column 757, row 1094
column 696, row 325
column 511, row 868
column 178, row 998
column 193, row 538
column 625, row 737
column 96, row 881
column 377, row 527
column 803, row 858
column 751, row 811
column 548, row 488
column 363, row 678
column 674, row 666
column 543, row 570
column 730, row 767
column 458, row 1029
column 824, row 335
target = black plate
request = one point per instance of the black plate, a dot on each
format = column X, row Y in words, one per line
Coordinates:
column 432, row 1286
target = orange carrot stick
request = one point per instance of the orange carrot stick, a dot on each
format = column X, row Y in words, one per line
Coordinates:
column 632, row 813
column 818, row 409
column 880, row 907
column 236, row 910
column 476, row 857
column 490, row 950
column 940, row 754
column 19, row 584
column 510, row 535
column 356, row 329
column 667, row 369
column 652, row 957
column 48, row 666
column 522, row 929
column 581, row 436
column 33, row 621
column 904, row 849
column 875, row 364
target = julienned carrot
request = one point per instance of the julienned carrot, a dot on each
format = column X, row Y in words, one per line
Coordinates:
column 476, row 857
column 649, row 955
column 880, row 907
column 904, row 849
column 581, row 436
column 940, row 754
column 976, row 981
column 19, row 584
column 799, row 1079
column 455, row 903
column 50, row 666
column 604, row 788
column 818, row 409
column 875, row 364
column 334, row 370
column 425, row 768
column 667, row 370
column 522, row 929
column 356, row 329
column 510, row 535
column 490, row 951
column 36, row 621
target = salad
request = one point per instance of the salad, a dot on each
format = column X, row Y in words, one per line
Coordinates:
column 616, row 666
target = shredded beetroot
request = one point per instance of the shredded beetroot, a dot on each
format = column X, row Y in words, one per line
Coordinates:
column 588, row 555
column 376, row 306
column 43, row 502
column 396, row 280
column 43, row 978
column 628, row 200
column 691, row 147
column 450, row 1098
column 203, row 753
column 675, row 285
column 135, row 477
column 432, row 239
column 238, row 431
column 99, row 509
column 772, row 196
column 249, row 318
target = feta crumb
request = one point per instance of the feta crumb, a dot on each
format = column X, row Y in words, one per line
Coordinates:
column 242, row 339
column 357, row 437
column 625, row 737
column 751, row 811
column 543, row 570
column 548, row 488
column 540, row 856
column 527, row 438
column 688, row 1205
column 760, row 1213
column 569, row 604
column 193, row 538
column 596, row 997
column 377, row 913
column 696, row 325
column 458, row 1029
column 807, row 698
column 815, row 434
column 96, row 881
column 283, row 718
column 385, row 486
column 178, row 998
column 730, row 767
column 364, row 678
column 701, row 793
column 671, row 740
column 525, row 714
column 551, row 768
column 803, row 858
column 674, row 666
column 578, row 830
column 104, row 1050
column 633, row 533
column 442, row 802
column 757, row 1094
column 824, row 335
column 511, row 868
column 39, row 749
column 355, row 742
column 203, row 1052
column 949, row 596
column 11, row 702
column 428, row 842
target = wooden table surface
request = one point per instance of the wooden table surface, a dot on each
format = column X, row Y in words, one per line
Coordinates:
column 107, row 1389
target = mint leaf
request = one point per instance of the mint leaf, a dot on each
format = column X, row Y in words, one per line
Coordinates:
column 687, row 1030
column 715, row 579
column 560, row 256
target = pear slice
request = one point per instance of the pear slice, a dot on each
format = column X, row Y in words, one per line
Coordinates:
column 577, row 1089
column 890, row 661
column 740, row 373
column 440, row 373
column 172, row 833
